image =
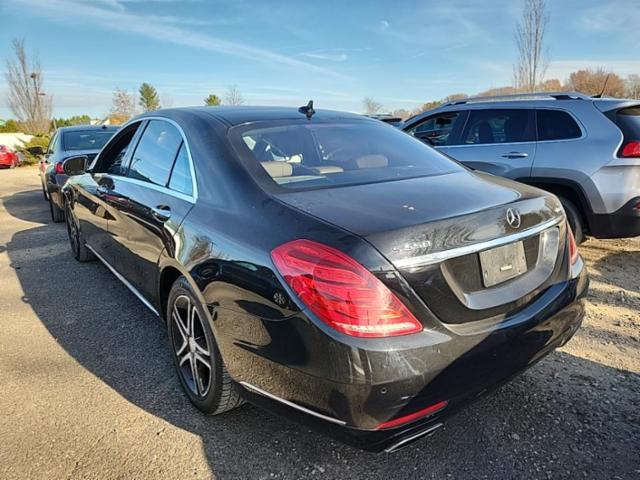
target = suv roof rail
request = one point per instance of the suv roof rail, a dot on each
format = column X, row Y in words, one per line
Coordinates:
column 524, row 96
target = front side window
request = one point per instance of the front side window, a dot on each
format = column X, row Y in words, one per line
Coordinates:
column 307, row 155
column 112, row 158
column 498, row 126
column 438, row 130
column 556, row 125
column 155, row 153
column 86, row 140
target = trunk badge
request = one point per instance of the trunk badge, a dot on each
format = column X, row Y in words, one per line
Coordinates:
column 513, row 218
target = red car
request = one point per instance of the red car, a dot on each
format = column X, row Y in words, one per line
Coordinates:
column 8, row 158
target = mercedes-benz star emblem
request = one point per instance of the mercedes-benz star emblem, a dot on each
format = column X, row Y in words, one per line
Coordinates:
column 513, row 217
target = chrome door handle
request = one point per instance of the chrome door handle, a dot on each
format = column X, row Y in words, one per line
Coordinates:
column 515, row 155
column 161, row 213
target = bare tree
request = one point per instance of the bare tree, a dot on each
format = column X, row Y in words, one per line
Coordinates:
column 371, row 107
column 632, row 84
column 533, row 61
column 27, row 99
column 123, row 106
column 233, row 96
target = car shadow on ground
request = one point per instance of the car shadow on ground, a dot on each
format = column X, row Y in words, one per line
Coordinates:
column 566, row 417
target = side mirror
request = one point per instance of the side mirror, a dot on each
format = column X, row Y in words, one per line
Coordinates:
column 37, row 150
column 75, row 165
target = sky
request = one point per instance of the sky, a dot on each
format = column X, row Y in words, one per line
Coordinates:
column 401, row 53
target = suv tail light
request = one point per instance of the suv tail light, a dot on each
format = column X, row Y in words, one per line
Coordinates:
column 573, row 247
column 631, row 150
column 59, row 168
column 341, row 292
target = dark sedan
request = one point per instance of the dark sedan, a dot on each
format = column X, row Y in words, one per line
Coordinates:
column 67, row 142
column 326, row 266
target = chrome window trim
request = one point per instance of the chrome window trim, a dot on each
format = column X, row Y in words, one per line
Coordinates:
column 153, row 186
column 190, row 198
column 437, row 257
column 126, row 283
column 259, row 391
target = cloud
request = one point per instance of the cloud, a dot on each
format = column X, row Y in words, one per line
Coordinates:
column 164, row 29
column 324, row 55
column 384, row 25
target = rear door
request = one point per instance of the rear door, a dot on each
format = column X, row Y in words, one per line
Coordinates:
column 500, row 141
column 149, row 203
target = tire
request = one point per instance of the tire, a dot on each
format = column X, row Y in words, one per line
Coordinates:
column 575, row 220
column 57, row 214
column 213, row 392
column 78, row 246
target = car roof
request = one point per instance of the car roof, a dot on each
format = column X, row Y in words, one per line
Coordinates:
column 84, row 128
column 236, row 115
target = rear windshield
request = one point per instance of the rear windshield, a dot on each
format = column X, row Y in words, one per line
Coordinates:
column 86, row 139
column 314, row 155
column 628, row 119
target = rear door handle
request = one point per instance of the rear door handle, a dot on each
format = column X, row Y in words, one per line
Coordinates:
column 515, row 155
column 161, row 213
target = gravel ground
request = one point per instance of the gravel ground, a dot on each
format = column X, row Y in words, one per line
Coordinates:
column 87, row 388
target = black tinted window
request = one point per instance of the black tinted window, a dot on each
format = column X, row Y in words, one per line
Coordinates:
column 310, row 155
column 556, row 125
column 498, row 126
column 439, row 130
column 628, row 119
column 155, row 153
column 112, row 157
column 86, row 140
column 181, row 173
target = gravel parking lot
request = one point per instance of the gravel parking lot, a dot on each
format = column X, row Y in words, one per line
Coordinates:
column 88, row 390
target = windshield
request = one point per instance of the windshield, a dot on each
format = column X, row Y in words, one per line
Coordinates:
column 314, row 155
column 86, row 139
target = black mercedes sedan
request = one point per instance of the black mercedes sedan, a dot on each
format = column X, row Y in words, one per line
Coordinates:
column 327, row 266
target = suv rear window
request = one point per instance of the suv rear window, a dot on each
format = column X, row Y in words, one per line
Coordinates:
column 86, row 139
column 310, row 155
column 628, row 119
column 556, row 125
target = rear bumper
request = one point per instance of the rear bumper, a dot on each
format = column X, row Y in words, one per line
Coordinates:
column 622, row 223
column 347, row 389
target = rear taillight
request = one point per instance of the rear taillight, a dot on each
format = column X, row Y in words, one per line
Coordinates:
column 341, row 292
column 59, row 168
column 573, row 247
column 430, row 410
column 631, row 150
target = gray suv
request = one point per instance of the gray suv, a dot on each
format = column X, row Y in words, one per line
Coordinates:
column 585, row 150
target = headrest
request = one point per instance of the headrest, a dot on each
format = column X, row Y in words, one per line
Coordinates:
column 277, row 169
column 372, row 161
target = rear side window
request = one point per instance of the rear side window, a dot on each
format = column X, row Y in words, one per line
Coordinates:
column 308, row 154
column 498, row 126
column 556, row 125
column 628, row 119
column 181, row 173
column 439, row 130
column 155, row 153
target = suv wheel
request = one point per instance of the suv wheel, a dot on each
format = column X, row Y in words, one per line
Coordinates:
column 202, row 373
column 57, row 214
column 575, row 220
column 78, row 247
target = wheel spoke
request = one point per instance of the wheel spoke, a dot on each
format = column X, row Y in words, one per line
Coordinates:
column 202, row 360
column 194, row 373
column 182, row 328
column 192, row 319
column 201, row 350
